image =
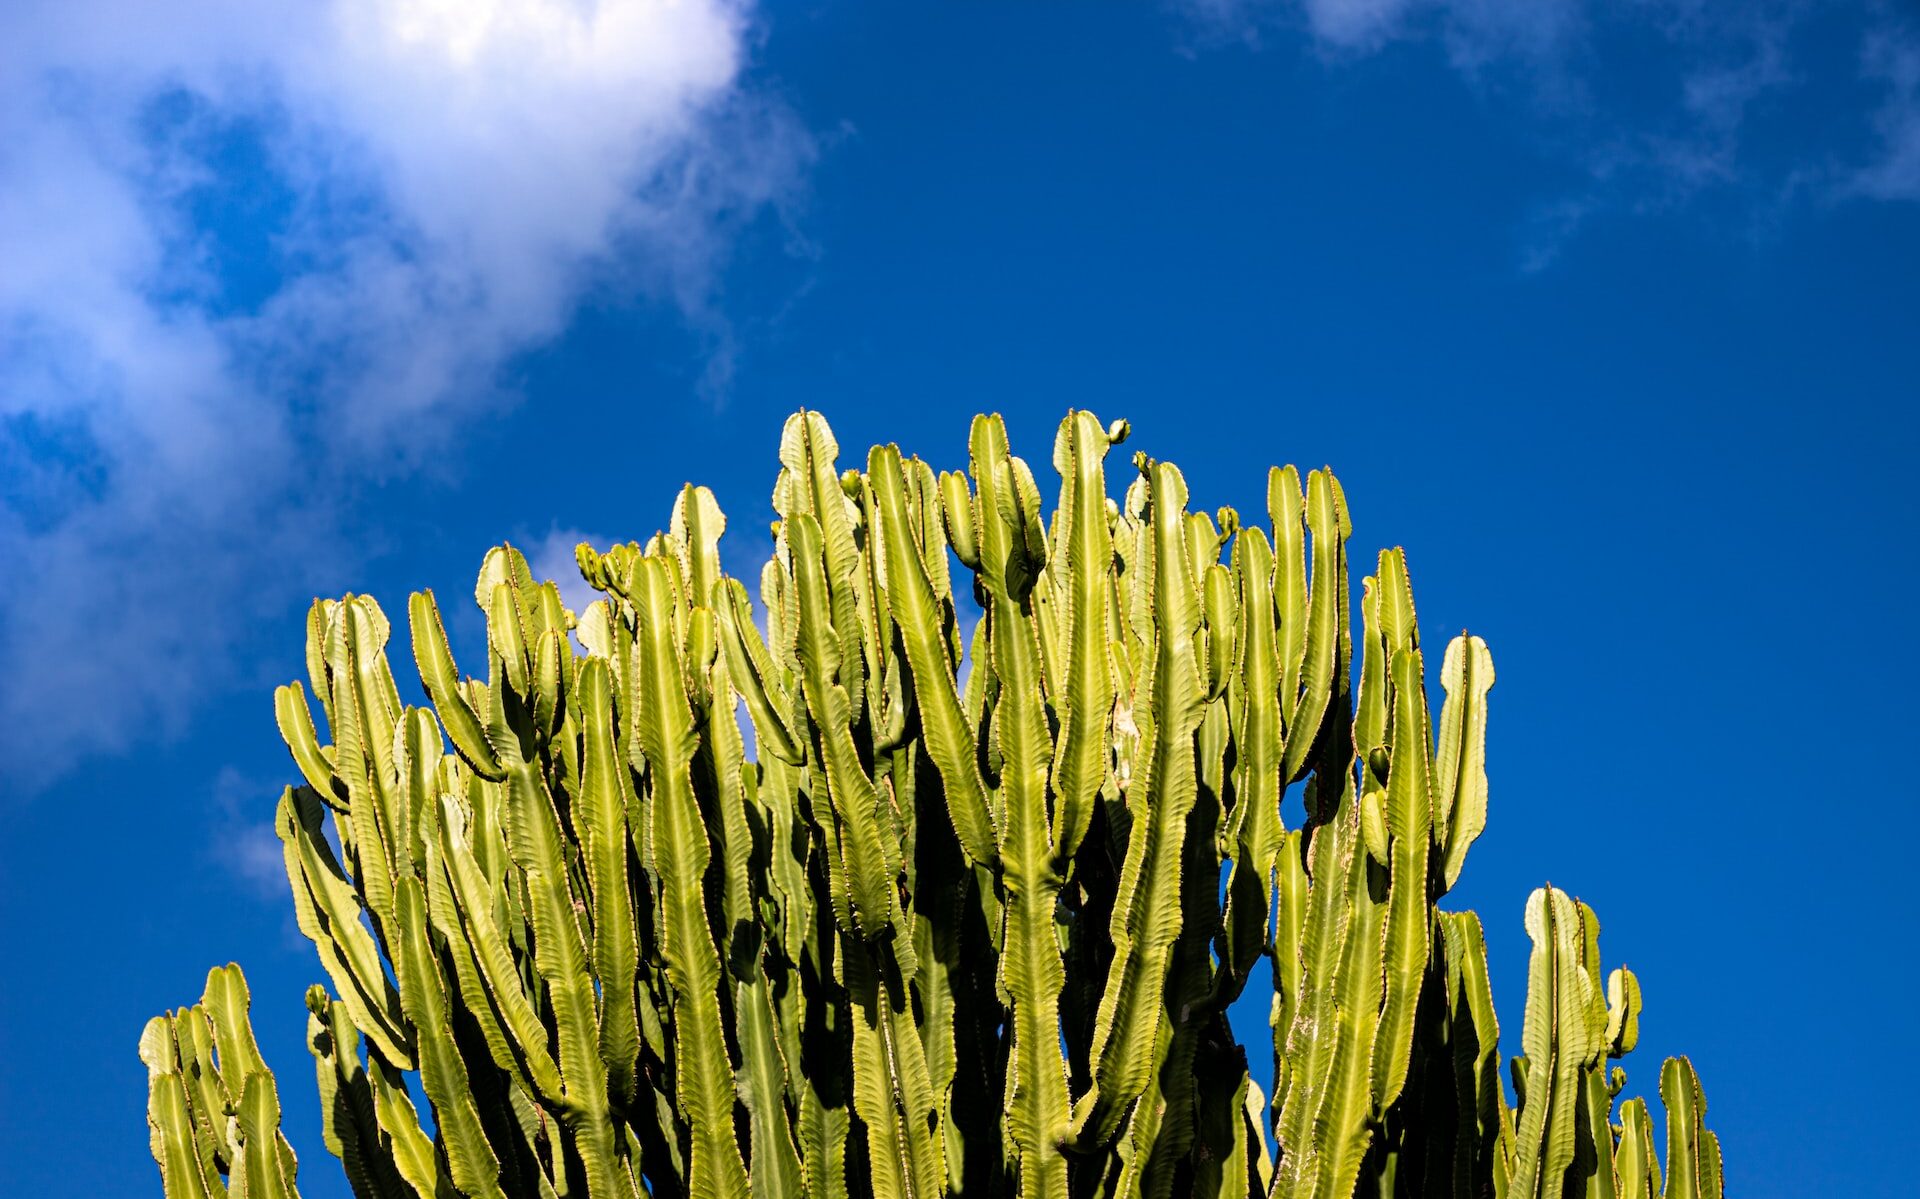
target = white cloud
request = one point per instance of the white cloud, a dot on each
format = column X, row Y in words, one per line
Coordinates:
column 253, row 254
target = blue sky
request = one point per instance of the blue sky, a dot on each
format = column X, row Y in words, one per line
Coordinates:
column 1606, row 313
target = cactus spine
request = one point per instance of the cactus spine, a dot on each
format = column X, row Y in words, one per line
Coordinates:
column 955, row 924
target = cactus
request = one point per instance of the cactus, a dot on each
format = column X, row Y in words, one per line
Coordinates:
column 956, row 922
column 212, row 1107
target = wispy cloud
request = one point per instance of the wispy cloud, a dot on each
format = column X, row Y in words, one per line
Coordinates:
column 241, row 842
column 252, row 255
column 1892, row 59
column 1659, row 104
column 1474, row 31
column 552, row 557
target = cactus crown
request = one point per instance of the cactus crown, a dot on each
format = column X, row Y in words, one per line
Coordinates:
column 956, row 923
